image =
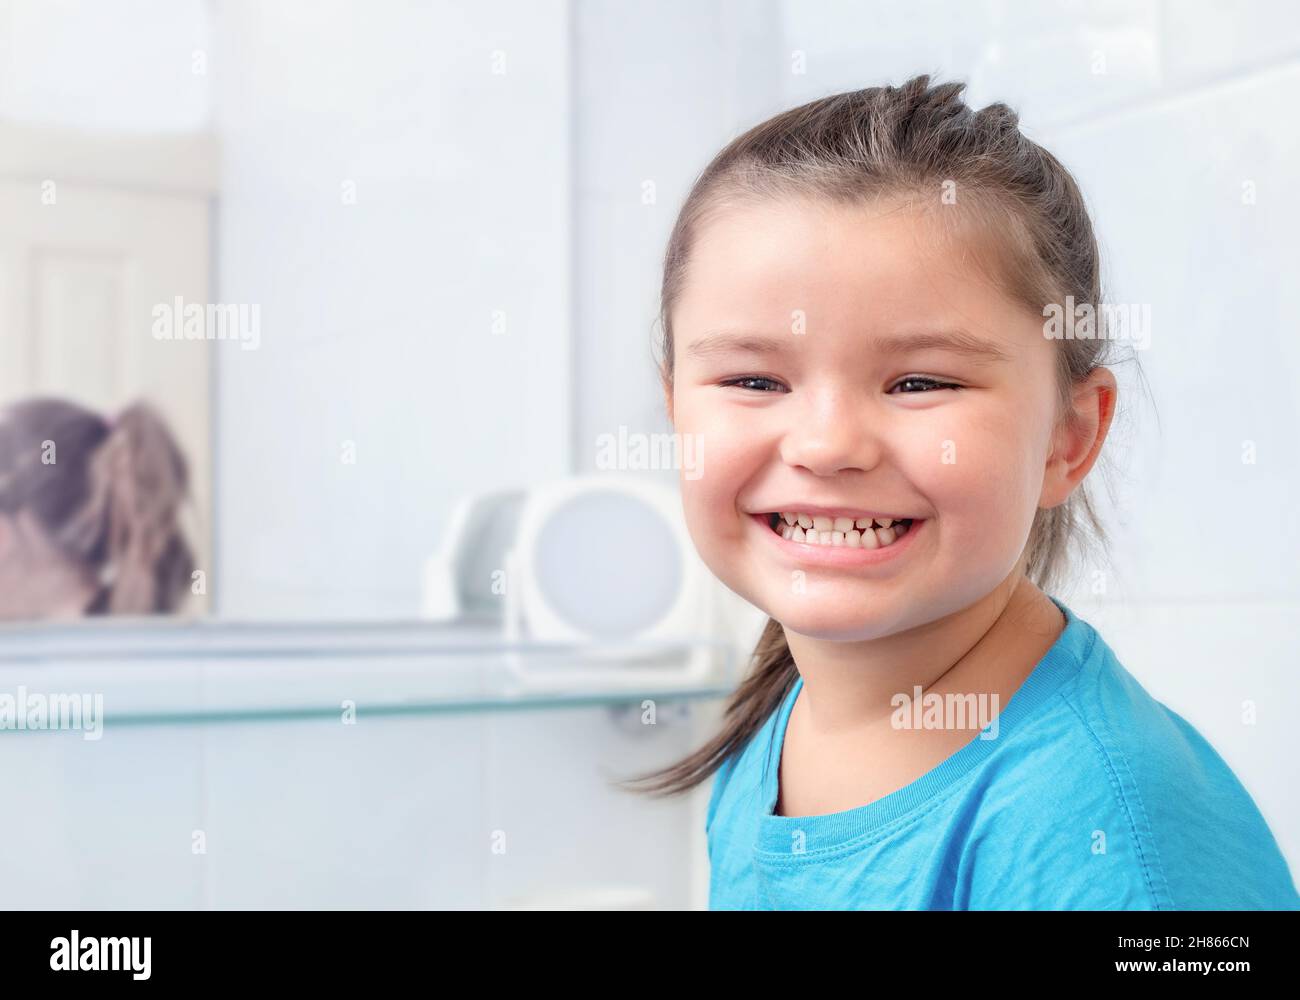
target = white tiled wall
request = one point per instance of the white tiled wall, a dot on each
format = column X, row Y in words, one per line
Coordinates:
column 504, row 809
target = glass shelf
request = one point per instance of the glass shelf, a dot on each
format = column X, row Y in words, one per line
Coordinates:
column 178, row 672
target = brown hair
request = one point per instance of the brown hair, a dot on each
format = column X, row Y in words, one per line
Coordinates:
column 914, row 142
column 107, row 494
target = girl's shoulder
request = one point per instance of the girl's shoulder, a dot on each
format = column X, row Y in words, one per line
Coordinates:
column 1143, row 794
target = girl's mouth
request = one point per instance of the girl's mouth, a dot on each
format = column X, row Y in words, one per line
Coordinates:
column 839, row 540
column 864, row 533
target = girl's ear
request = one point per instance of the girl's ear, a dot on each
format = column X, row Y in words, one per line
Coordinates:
column 1077, row 440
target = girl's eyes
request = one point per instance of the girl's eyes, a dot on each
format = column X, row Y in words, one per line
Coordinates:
column 929, row 383
column 750, row 378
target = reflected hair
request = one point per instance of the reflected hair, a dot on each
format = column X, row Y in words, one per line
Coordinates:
column 107, row 494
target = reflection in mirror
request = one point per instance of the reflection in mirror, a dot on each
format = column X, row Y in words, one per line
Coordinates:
column 90, row 513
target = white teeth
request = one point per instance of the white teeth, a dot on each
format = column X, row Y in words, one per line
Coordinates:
column 843, row 531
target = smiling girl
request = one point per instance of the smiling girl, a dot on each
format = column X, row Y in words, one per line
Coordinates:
column 853, row 305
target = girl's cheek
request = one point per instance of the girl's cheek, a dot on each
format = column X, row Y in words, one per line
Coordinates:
column 714, row 497
column 724, row 441
column 979, row 492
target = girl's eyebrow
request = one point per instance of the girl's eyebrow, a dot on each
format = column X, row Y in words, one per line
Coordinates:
column 961, row 342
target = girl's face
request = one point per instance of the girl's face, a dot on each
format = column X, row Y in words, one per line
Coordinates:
column 813, row 307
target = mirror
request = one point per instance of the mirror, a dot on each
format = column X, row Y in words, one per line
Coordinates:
column 280, row 285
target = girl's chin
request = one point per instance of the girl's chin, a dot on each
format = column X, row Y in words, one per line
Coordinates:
column 840, row 624
column 857, row 634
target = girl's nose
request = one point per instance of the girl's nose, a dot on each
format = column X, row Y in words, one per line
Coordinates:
column 832, row 437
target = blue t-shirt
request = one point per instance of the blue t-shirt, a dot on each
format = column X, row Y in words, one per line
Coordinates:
column 1093, row 795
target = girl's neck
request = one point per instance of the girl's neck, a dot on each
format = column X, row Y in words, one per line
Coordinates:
column 987, row 648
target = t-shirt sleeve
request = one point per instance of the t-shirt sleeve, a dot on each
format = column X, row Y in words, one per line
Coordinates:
column 720, row 777
column 1053, row 843
column 1216, row 849
column 1134, row 811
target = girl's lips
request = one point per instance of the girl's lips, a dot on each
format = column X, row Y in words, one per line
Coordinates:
column 838, row 555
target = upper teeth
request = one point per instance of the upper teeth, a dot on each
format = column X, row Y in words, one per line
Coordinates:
column 861, row 532
column 819, row 523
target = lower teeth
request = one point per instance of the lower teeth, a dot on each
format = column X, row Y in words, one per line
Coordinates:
column 813, row 537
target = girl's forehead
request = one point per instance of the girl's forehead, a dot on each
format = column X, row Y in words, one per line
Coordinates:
column 773, row 239
column 892, row 260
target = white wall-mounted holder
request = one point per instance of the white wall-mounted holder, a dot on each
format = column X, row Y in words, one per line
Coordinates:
column 465, row 576
column 599, row 566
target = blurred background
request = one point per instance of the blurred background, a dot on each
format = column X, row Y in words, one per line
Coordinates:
column 422, row 245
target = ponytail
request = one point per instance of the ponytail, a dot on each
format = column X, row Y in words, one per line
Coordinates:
column 140, row 479
column 112, row 501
